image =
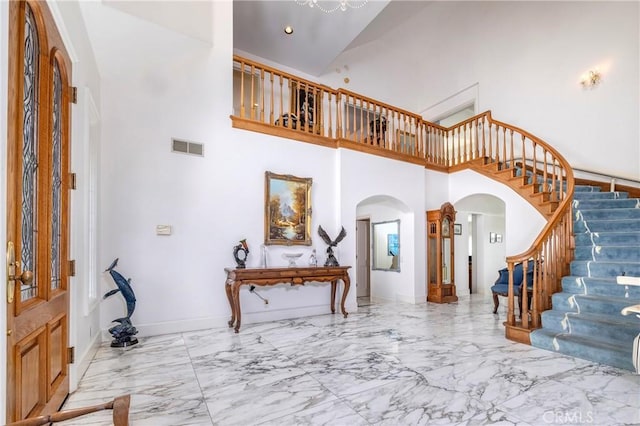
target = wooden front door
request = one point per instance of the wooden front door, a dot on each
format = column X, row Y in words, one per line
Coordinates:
column 37, row 212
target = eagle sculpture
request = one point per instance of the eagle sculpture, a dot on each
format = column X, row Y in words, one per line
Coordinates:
column 331, row 259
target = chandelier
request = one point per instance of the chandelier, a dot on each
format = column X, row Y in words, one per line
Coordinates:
column 343, row 5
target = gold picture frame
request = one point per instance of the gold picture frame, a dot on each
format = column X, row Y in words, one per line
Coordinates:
column 287, row 210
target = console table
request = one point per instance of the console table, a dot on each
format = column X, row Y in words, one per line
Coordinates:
column 272, row 276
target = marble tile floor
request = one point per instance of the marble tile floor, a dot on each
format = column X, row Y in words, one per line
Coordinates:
column 387, row 364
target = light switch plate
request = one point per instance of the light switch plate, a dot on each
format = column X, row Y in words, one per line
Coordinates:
column 163, row 229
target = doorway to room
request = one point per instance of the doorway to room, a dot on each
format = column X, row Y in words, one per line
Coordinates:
column 388, row 256
column 363, row 261
column 478, row 256
column 456, row 116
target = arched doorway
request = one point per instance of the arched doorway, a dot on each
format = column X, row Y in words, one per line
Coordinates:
column 482, row 220
column 379, row 283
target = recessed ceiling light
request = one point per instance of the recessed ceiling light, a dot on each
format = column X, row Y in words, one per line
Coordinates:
column 288, row 29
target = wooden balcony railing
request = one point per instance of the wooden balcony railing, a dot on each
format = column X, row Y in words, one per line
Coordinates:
column 274, row 102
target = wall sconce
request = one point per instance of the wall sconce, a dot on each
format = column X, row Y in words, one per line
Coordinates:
column 591, row 79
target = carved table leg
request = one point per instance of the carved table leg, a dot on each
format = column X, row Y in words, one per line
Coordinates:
column 333, row 296
column 347, row 284
column 236, row 304
column 227, row 287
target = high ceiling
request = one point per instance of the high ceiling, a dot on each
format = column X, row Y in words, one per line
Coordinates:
column 318, row 38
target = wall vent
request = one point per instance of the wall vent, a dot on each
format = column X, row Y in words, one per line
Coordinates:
column 187, row 147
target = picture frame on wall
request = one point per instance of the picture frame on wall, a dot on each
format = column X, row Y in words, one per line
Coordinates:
column 287, row 216
column 457, row 229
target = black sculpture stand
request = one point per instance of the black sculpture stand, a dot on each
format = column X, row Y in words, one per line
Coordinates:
column 123, row 334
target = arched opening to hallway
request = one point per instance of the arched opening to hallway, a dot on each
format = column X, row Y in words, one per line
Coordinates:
column 480, row 247
column 380, row 283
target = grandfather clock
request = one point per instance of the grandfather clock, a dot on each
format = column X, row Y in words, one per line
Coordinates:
column 441, row 285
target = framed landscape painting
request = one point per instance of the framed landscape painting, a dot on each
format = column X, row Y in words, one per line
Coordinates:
column 287, row 217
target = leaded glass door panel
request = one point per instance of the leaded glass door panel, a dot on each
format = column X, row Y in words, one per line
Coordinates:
column 37, row 213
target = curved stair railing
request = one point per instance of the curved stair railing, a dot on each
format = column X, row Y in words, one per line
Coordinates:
column 274, row 102
column 542, row 176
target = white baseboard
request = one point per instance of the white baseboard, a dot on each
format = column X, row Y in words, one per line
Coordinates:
column 169, row 327
column 402, row 298
column 412, row 299
column 78, row 368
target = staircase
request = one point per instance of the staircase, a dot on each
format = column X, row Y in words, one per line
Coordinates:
column 521, row 183
column 585, row 321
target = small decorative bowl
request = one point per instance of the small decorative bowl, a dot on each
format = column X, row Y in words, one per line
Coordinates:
column 292, row 257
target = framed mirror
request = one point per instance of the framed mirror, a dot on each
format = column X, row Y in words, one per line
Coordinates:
column 386, row 245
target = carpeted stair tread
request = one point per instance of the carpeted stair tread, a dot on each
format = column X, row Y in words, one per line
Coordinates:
column 589, row 268
column 553, row 317
column 615, row 203
column 606, row 286
column 609, row 252
column 586, row 188
column 585, row 320
column 595, row 304
column 602, row 225
column 584, row 347
column 599, row 195
column 606, row 238
column 608, row 214
column 597, row 327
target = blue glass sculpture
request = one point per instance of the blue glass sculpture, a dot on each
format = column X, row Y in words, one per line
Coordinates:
column 123, row 333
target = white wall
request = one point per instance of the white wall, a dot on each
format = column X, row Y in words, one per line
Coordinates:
column 437, row 190
column 214, row 201
column 526, row 59
column 522, row 221
column 363, row 176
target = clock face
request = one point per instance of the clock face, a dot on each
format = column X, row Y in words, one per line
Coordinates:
column 445, row 227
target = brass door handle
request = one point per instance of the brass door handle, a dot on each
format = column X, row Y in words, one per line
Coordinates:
column 26, row 277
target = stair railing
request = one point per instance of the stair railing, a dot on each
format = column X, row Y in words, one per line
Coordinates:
column 365, row 123
column 275, row 102
column 538, row 167
column 533, row 164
